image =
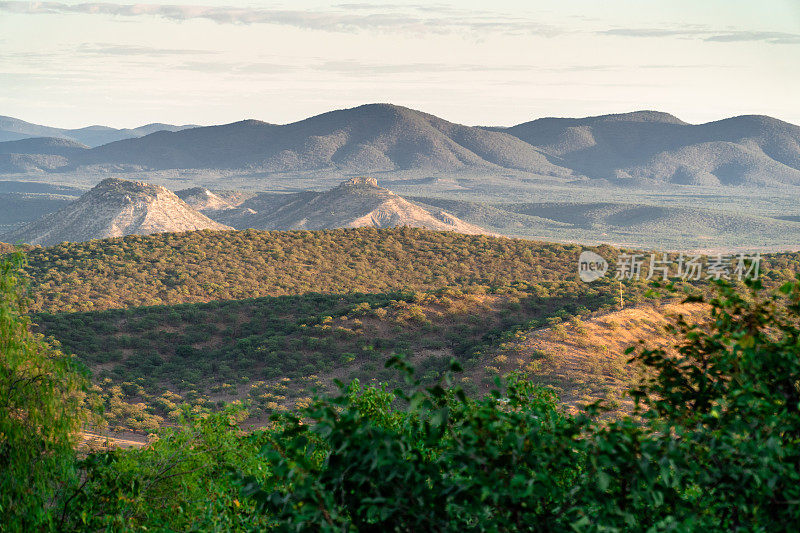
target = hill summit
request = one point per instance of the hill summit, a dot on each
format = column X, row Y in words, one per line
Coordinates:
column 115, row 208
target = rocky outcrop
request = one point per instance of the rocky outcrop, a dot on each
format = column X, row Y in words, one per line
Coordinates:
column 115, row 208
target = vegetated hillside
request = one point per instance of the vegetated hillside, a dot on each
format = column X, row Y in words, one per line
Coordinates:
column 12, row 129
column 340, row 302
column 6, row 248
column 369, row 138
column 42, row 145
column 113, row 208
column 653, row 146
column 355, row 203
column 200, row 266
column 37, row 154
column 328, row 304
column 273, row 351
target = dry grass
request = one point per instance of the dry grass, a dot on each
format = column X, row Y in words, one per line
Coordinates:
column 585, row 361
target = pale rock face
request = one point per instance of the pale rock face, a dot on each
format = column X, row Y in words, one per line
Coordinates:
column 363, row 181
column 115, row 208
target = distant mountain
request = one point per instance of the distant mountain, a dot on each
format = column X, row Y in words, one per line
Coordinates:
column 658, row 147
column 37, row 154
column 369, row 138
column 630, row 149
column 42, row 145
column 13, row 129
column 355, row 203
column 111, row 209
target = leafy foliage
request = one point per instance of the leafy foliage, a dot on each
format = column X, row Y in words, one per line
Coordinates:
column 715, row 446
column 445, row 463
column 42, row 393
column 180, row 482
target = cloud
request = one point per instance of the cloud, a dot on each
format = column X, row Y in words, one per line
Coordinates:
column 364, row 69
column 348, row 18
column 236, row 68
column 367, row 69
column 772, row 37
column 708, row 35
column 357, row 67
column 135, row 50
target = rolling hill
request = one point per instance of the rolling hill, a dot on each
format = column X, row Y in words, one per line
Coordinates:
column 38, row 154
column 629, row 224
column 267, row 317
column 111, row 209
column 369, row 138
column 652, row 146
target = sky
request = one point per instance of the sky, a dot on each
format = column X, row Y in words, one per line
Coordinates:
column 500, row 62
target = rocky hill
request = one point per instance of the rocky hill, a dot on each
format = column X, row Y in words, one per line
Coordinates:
column 357, row 202
column 111, row 209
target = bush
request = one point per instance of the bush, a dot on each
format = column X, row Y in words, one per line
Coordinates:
column 714, row 445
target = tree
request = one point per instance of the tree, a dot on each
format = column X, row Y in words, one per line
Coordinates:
column 42, row 395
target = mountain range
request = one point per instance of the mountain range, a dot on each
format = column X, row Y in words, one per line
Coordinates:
column 14, row 129
column 631, row 149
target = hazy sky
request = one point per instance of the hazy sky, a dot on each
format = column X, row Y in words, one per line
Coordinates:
column 72, row 64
